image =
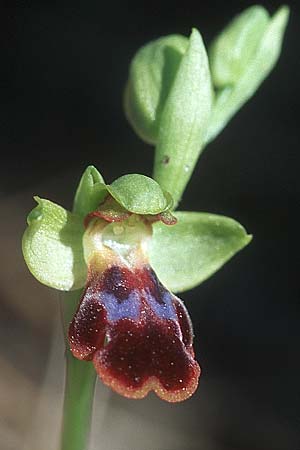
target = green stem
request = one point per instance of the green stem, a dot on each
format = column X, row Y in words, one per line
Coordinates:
column 79, row 389
column 78, row 404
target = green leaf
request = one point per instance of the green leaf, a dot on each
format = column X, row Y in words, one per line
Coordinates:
column 151, row 75
column 52, row 246
column 90, row 193
column 242, row 56
column 139, row 194
column 184, row 120
column 185, row 254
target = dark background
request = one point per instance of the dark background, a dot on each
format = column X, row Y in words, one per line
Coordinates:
column 64, row 65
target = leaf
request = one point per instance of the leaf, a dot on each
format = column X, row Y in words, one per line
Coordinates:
column 52, row 246
column 139, row 194
column 90, row 192
column 189, row 252
column 151, row 75
column 260, row 59
column 184, row 120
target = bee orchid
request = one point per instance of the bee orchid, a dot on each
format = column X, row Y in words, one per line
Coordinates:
column 127, row 250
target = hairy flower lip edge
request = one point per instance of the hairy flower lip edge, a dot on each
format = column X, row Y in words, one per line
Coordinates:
column 152, row 384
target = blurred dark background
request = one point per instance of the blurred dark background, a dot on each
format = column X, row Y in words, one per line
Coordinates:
column 63, row 69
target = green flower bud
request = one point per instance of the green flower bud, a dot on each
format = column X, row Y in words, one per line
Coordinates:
column 235, row 47
column 151, row 74
column 241, row 57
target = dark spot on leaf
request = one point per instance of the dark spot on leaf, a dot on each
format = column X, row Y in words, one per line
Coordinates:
column 165, row 160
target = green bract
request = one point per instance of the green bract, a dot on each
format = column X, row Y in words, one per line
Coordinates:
column 241, row 57
column 184, row 120
column 52, row 246
column 189, row 252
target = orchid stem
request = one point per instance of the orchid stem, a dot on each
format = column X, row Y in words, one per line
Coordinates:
column 78, row 404
column 79, row 389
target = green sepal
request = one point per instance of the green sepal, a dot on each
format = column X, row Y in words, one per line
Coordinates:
column 151, row 75
column 52, row 246
column 241, row 57
column 184, row 120
column 90, row 193
column 185, row 254
column 139, row 194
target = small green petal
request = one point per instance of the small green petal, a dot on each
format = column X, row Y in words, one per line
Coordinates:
column 251, row 68
column 189, row 252
column 139, row 194
column 184, row 120
column 90, row 193
column 52, row 246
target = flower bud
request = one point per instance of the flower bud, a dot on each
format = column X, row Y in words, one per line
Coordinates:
column 235, row 47
column 241, row 57
column 151, row 74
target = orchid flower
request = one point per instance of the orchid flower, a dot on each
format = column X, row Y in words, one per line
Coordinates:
column 128, row 251
column 124, row 245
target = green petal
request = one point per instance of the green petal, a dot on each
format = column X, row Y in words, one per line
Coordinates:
column 251, row 71
column 185, row 254
column 52, row 246
column 152, row 72
column 139, row 194
column 90, row 192
column 184, row 120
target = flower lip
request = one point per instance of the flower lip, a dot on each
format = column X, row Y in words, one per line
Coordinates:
column 138, row 334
